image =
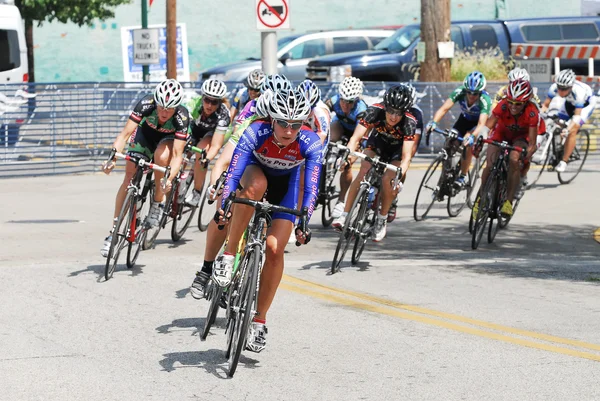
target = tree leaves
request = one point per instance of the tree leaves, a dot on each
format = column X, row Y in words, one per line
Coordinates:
column 80, row 12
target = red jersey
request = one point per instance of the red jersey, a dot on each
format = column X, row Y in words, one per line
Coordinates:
column 509, row 127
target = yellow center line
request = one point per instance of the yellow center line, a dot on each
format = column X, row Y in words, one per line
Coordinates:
column 302, row 284
column 597, row 235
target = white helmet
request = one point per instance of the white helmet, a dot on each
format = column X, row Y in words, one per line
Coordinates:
column 214, row 88
column 311, row 91
column 262, row 103
column 565, row 78
column 275, row 83
column 518, row 73
column 289, row 104
column 168, row 94
column 351, row 88
column 255, row 79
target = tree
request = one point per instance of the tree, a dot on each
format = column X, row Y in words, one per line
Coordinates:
column 80, row 12
column 435, row 27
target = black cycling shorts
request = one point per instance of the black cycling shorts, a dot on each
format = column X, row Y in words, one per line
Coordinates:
column 387, row 149
column 463, row 126
column 145, row 140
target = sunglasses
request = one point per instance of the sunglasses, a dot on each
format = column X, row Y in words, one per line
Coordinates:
column 394, row 112
column 254, row 89
column 563, row 88
column 211, row 101
column 286, row 124
column 515, row 103
column 351, row 101
column 473, row 93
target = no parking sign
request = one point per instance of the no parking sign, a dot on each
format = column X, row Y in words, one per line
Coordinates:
column 272, row 14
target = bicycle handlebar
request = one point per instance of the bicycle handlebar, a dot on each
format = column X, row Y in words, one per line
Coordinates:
column 139, row 161
column 375, row 160
column 218, row 186
column 505, row 145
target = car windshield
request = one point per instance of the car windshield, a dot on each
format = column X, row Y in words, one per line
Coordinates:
column 400, row 40
column 284, row 41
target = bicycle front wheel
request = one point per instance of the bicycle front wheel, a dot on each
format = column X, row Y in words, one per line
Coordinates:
column 457, row 198
column 214, row 293
column 328, row 193
column 349, row 230
column 474, row 175
column 206, row 212
column 577, row 158
column 364, row 223
column 429, row 189
column 246, row 309
column 486, row 203
column 185, row 212
column 119, row 235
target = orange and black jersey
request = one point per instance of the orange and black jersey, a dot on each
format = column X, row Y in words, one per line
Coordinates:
column 374, row 118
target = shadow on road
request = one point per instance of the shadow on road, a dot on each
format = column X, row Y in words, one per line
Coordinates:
column 212, row 360
column 99, row 271
column 553, row 251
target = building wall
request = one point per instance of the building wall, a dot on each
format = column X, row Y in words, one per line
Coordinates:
column 224, row 31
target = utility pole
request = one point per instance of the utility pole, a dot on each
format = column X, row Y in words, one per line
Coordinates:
column 435, row 27
column 171, row 39
column 145, row 68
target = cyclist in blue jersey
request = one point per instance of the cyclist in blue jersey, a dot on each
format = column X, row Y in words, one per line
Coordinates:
column 250, row 92
column 349, row 108
column 268, row 157
column 475, row 104
column 157, row 129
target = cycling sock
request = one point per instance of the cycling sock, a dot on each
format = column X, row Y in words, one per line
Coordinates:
column 257, row 320
column 381, row 216
column 208, row 266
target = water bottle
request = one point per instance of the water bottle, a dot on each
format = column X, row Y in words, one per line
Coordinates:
column 372, row 195
column 182, row 187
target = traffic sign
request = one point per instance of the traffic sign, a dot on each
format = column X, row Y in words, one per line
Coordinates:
column 272, row 15
column 145, row 46
column 539, row 70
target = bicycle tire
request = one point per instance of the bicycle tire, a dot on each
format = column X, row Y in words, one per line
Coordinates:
column 431, row 170
column 185, row 212
column 549, row 154
column 453, row 208
column 328, row 193
column 205, row 214
column 584, row 136
column 500, row 197
column 471, row 222
column 248, row 299
column 213, row 308
column 361, row 237
column 133, row 251
column 119, row 236
column 485, row 199
column 475, row 174
column 152, row 233
column 347, row 233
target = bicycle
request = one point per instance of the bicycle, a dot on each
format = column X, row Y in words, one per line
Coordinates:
column 129, row 228
column 175, row 206
column 327, row 188
column 441, row 175
column 494, row 194
column 552, row 151
column 242, row 293
column 359, row 222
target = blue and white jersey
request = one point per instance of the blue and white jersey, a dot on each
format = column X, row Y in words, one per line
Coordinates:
column 579, row 96
column 350, row 120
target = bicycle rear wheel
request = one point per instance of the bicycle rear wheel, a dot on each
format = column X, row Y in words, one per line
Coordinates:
column 328, row 193
column 348, row 231
column 474, row 175
column 119, row 235
column 486, row 203
column 544, row 163
column 133, row 251
column 185, row 212
column 246, row 309
column 214, row 296
column 577, row 158
column 429, row 189
column 206, row 212
column 457, row 198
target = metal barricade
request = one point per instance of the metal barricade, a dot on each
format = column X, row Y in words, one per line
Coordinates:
column 69, row 127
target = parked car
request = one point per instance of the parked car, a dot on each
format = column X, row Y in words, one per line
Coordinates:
column 13, row 69
column 295, row 51
column 394, row 59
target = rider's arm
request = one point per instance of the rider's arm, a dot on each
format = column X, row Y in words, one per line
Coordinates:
column 485, row 104
column 407, row 154
column 443, row 110
column 532, row 137
column 546, row 104
column 312, row 173
column 176, row 157
column 218, row 139
column 233, row 112
column 480, row 124
column 359, row 133
column 322, row 121
column 124, row 135
column 239, row 161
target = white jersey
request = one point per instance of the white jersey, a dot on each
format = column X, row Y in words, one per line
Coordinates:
column 320, row 121
column 579, row 96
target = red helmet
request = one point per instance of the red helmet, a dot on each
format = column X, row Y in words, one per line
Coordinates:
column 519, row 90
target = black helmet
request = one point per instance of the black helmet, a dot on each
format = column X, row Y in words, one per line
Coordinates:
column 398, row 97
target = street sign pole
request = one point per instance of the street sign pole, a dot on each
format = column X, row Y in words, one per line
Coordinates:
column 269, row 52
column 145, row 68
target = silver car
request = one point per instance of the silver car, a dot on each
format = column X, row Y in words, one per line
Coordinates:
column 297, row 50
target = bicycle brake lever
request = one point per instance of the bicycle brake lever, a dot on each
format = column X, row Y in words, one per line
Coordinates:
column 226, row 210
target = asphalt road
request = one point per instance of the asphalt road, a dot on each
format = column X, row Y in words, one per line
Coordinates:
column 423, row 317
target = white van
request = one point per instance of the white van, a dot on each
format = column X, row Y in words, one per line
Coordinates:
column 13, row 48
